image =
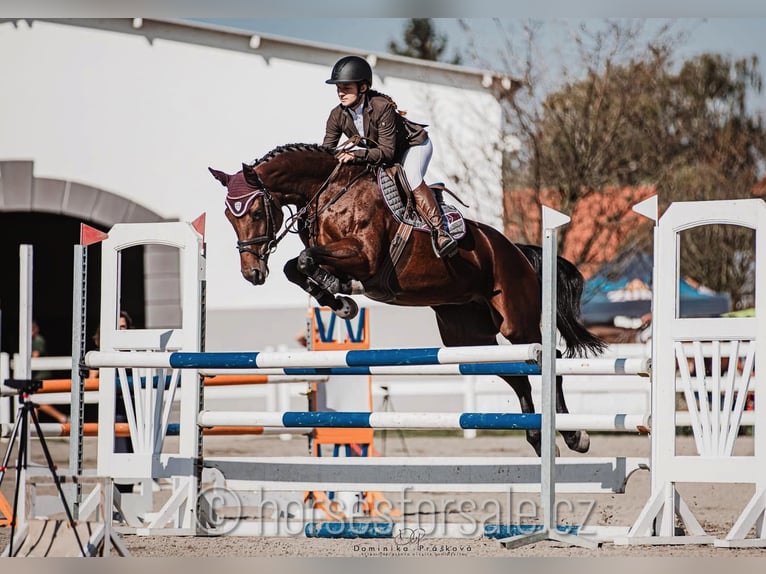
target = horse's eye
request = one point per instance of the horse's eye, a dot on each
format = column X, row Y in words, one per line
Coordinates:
column 256, row 215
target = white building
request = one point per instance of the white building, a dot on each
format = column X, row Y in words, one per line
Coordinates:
column 105, row 121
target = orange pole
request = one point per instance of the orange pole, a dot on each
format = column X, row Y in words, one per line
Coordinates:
column 64, row 385
column 226, row 431
column 91, row 384
column 123, row 430
column 220, row 380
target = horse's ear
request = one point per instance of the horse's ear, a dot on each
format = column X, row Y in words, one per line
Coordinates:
column 250, row 176
column 220, row 176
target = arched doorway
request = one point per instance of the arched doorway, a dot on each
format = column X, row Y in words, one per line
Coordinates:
column 47, row 213
column 52, row 238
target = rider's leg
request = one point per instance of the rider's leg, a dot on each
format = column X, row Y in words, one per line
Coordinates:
column 415, row 164
column 426, row 205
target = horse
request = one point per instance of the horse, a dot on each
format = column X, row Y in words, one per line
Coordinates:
column 353, row 245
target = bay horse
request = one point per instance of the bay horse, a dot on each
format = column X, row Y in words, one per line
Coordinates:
column 490, row 286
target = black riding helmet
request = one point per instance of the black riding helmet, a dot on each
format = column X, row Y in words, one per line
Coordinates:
column 350, row 69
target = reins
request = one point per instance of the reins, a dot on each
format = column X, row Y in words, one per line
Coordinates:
column 271, row 238
column 311, row 220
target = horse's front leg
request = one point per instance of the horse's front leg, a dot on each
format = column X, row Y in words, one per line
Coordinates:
column 325, row 280
column 332, row 267
column 344, row 307
column 332, row 264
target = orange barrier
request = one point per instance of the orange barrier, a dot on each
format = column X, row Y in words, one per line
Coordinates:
column 6, row 512
column 226, row 431
column 220, row 380
column 65, row 385
column 91, row 384
column 123, row 430
column 323, row 337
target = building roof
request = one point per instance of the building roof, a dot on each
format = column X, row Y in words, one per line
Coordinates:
column 274, row 46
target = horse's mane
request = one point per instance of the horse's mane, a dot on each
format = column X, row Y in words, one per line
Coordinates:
column 294, row 147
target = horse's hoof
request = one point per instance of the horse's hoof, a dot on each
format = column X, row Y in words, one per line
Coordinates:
column 583, row 442
column 348, row 309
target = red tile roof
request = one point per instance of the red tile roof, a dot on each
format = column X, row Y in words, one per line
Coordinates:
column 600, row 222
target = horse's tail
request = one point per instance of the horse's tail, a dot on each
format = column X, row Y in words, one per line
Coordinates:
column 569, row 286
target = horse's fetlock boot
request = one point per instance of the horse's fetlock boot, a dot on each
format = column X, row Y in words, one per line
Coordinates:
column 312, row 288
column 326, row 280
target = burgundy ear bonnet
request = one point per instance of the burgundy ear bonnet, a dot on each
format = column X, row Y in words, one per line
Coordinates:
column 240, row 195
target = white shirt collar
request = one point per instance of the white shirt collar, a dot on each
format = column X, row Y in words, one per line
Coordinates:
column 358, row 116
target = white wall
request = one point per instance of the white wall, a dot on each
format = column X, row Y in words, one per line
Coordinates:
column 144, row 120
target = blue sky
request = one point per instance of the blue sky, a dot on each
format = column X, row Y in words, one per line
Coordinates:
column 736, row 37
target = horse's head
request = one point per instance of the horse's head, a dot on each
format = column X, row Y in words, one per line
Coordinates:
column 256, row 217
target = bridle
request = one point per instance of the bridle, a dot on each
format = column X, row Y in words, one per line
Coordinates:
column 241, row 205
column 270, row 236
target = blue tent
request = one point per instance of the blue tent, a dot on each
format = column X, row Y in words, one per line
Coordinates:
column 623, row 288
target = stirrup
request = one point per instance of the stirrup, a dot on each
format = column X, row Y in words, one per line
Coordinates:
column 447, row 249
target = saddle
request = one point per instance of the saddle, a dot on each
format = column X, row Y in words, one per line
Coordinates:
column 404, row 211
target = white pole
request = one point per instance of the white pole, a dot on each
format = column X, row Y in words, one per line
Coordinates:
column 5, row 402
column 469, row 402
column 23, row 370
column 551, row 221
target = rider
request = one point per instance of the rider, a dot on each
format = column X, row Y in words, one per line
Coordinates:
column 389, row 139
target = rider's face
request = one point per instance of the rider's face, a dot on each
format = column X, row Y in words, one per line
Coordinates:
column 348, row 93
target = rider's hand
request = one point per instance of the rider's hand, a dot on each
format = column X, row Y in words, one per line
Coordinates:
column 346, row 157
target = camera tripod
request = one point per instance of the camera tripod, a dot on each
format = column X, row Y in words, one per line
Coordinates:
column 26, row 411
column 388, row 406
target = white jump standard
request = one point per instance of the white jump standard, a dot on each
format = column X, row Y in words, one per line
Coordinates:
column 177, row 353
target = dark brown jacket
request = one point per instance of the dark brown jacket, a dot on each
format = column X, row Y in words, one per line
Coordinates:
column 388, row 133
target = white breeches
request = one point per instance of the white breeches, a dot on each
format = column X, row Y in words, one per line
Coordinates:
column 415, row 162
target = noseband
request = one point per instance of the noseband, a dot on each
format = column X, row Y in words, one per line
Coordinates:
column 239, row 206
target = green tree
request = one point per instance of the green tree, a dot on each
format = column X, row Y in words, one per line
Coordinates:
column 420, row 40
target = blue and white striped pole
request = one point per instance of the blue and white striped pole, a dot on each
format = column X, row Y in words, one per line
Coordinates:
column 404, row 420
column 584, row 366
column 317, row 359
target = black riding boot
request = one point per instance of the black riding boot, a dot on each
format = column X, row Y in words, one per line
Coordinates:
column 425, row 203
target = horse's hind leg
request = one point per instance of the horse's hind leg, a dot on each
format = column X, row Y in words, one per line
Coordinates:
column 475, row 324
column 578, row 441
column 517, row 306
column 523, row 391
